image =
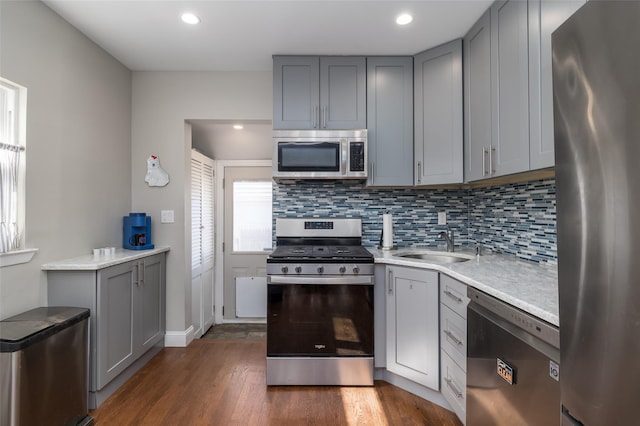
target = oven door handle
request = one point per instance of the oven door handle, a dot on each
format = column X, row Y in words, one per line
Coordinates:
column 320, row 280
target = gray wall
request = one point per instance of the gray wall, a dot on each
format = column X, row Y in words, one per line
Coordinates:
column 162, row 102
column 78, row 144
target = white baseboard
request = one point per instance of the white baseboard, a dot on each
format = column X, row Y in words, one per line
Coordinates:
column 245, row 321
column 179, row 339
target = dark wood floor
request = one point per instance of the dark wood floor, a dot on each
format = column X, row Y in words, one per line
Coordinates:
column 222, row 382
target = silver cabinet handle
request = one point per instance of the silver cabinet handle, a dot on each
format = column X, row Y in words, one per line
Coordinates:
column 492, row 149
column 419, row 179
column 390, row 282
column 453, row 296
column 453, row 387
column 325, row 112
column 484, row 163
column 135, row 274
column 453, row 337
column 141, row 272
column 314, row 114
column 373, row 175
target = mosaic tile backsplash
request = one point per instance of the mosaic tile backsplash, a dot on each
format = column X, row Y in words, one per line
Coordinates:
column 516, row 219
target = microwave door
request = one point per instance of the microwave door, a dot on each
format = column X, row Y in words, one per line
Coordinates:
column 309, row 157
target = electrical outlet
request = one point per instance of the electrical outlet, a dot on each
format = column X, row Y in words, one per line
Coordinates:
column 166, row 216
column 442, row 218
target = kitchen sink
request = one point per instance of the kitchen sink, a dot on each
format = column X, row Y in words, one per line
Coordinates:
column 436, row 257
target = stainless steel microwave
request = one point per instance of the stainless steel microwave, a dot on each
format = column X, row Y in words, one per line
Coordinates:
column 320, row 154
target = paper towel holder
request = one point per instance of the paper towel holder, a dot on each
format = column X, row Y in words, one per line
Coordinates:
column 381, row 245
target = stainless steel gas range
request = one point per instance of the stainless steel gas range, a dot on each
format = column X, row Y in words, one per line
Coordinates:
column 320, row 304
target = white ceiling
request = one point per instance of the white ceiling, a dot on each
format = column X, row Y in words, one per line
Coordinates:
column 147, row 35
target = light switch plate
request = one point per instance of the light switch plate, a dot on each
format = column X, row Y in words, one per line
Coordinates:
column 166, row 216
column 442, row 218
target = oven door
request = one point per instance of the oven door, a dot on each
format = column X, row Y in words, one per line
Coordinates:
column 324, row 316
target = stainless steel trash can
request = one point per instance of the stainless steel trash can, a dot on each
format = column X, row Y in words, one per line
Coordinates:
column 44, row 367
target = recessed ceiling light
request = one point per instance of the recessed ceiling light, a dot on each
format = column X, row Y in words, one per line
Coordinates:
column 190, row 18
column 238, row 126
column 404, row 19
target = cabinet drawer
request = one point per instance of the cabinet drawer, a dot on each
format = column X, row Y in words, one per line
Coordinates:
column 454, row 294
column 453, row 336
column 454, row 386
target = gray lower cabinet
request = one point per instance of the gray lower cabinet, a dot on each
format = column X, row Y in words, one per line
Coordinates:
column 319, row 92
column 438, row 109
column 390, row 120
column 413, row 350
column 453, row 343
column 127, row 304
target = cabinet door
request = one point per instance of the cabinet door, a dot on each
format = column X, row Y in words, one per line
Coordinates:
column 412, row 326
column 295, row 92
column 116, row 312
column 438, row 115
column 454, row 386
column 509, row 151
column 544, row 17
column 151, row 301
column 343, row 91
column 477, row 96
column 390, row 120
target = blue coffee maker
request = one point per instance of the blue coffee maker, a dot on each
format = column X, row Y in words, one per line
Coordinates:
column 136, row 232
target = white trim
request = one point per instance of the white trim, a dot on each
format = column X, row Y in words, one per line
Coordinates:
column 219, row 256
column 16, row 257
column 245, row 321
column 179, row 339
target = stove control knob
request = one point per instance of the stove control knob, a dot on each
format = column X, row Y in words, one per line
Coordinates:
column 284, row 269
column 356, row 270
column 298, row 269
column 320, row 269
column 343, row 269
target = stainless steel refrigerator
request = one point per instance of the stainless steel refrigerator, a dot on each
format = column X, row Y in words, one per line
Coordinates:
column 596, row 79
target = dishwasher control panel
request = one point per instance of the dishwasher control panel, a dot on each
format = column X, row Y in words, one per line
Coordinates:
column 527, row 322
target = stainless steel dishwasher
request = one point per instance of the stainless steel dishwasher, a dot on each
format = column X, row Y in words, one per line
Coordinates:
column 512, row 365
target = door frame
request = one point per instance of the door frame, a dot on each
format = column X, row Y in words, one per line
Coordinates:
column 221, row 166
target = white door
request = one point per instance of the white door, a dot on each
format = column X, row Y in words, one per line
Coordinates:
column 202, row 242
column 247, row 240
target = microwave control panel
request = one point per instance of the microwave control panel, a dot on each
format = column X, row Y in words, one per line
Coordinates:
column 356, row 157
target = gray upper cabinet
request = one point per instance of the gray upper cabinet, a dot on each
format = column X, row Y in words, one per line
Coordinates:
column 544, row 17
column 343, row 92
column 438, row 144
column 296, row 92
column 311, row 92
column 477, row 98
column 509, row 150
column 518, row 52
column 390, row 120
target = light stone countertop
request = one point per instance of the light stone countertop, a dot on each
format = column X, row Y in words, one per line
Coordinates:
column 530, row 287
column 90, row 263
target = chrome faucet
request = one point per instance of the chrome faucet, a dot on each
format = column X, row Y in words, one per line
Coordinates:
column 448, row 237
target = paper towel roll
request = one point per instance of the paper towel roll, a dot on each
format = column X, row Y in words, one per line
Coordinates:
column 387, row 231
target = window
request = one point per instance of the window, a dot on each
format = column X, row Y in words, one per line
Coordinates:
column 252, row 216
column 12, row 108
